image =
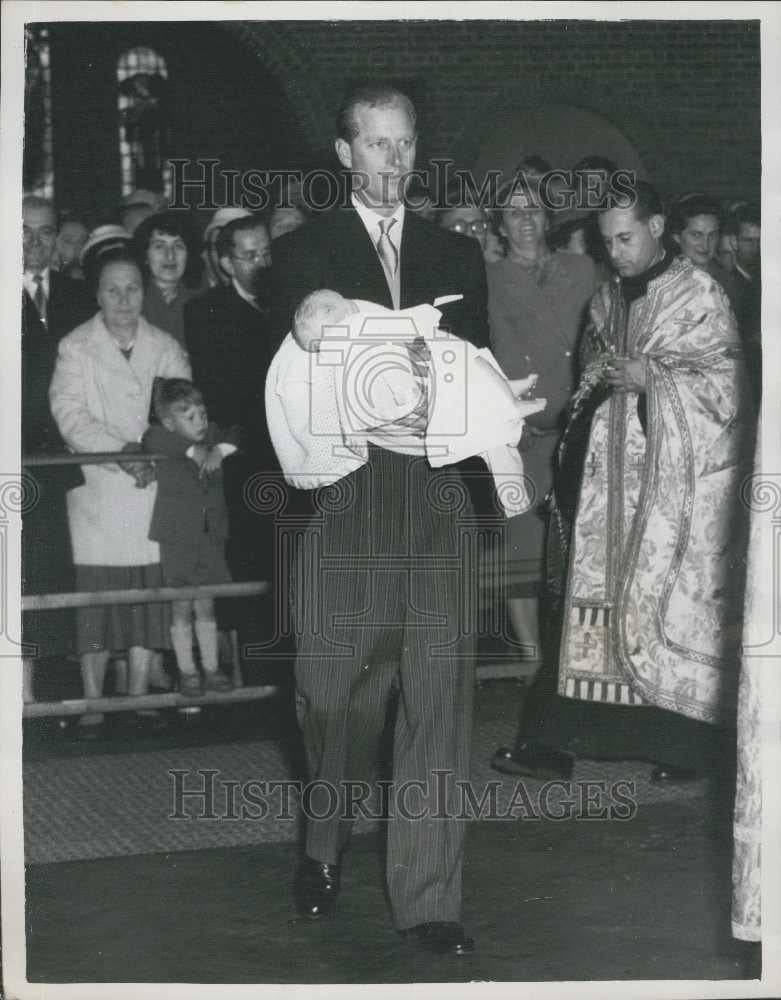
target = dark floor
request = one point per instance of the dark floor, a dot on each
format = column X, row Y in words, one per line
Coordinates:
column 646, row 898
column 642, row 899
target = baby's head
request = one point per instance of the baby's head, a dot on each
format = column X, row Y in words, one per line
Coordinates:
column 319, row 309
column 179, row 407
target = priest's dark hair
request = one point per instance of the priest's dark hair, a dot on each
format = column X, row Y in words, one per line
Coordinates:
column 641, row 196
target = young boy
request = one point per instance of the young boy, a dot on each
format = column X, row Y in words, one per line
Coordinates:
column 190, row 522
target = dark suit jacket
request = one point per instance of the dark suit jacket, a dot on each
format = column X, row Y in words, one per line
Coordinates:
column 47, row 558
column 228, row 344
column 536, row 329
column 187, row 505
column 70, row 305
column 336, row 252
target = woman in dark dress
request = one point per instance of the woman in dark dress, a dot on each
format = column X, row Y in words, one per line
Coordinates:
column 536, row 302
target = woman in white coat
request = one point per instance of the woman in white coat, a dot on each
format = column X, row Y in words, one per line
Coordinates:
column 100, row 397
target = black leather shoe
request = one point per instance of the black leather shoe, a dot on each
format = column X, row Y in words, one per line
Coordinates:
column 666, row 774
column 534, row 760
column 442, row 938
column 317, row 888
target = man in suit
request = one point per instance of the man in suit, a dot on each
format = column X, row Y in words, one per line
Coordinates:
column 226, row 332
column 744, row 227
column 379, row 612
column 52, row 305
column 226, row 328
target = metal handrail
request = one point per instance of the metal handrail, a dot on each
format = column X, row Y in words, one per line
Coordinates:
column 140, row 702
column 150, row 595
column 92, row 458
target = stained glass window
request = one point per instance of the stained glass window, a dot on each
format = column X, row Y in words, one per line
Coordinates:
column 142, row 94
column 38, row 144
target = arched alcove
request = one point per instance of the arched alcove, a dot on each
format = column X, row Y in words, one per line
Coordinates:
column 560, row 133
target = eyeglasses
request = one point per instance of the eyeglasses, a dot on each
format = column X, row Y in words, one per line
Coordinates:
column 253, row 257
column 475, row 228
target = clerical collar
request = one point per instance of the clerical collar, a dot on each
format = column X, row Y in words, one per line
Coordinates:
column 636, row 285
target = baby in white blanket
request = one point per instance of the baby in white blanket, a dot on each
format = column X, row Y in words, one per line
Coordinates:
column 321, row 422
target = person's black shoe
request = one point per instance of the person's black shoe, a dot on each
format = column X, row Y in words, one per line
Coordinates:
column 317, row 888
column 666, row 774
column 441, row 938
column 534, row 760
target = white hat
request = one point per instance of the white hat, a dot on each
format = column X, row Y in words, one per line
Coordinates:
column 107, row 238
column 222, row 217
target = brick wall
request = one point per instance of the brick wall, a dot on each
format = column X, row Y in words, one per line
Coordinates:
column 685, row 93
column 262, row 94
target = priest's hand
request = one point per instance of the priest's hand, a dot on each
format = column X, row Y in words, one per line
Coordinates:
column 626, row 374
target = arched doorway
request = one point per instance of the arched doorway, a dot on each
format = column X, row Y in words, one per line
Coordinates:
column 561, row 134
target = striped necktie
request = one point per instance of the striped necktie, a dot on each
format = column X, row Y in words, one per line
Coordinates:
column 389, row 255
column 419, row 356
column 40, row 297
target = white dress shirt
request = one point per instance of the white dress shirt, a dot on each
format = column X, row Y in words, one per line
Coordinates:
column 371, row 221
column 31, row 286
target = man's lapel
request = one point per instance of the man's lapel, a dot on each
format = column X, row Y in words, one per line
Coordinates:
column 59, row 309
column 355, row 261
column 415, row 279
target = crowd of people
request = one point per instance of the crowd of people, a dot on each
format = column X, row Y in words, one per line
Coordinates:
column 637, row 327
column 105, row 326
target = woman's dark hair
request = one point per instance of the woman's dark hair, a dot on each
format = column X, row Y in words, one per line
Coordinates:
column 689, row 206
column 525, row 177
column 169, row 224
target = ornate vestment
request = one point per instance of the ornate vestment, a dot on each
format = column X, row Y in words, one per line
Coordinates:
column 652, row 606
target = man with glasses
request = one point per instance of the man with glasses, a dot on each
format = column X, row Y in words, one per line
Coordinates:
column 469, row 220
column 214, row 274
column 227, row 336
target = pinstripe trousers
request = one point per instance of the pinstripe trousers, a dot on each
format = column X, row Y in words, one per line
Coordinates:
column 380, row 603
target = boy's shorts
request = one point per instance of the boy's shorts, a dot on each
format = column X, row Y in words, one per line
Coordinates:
column 195, row 564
